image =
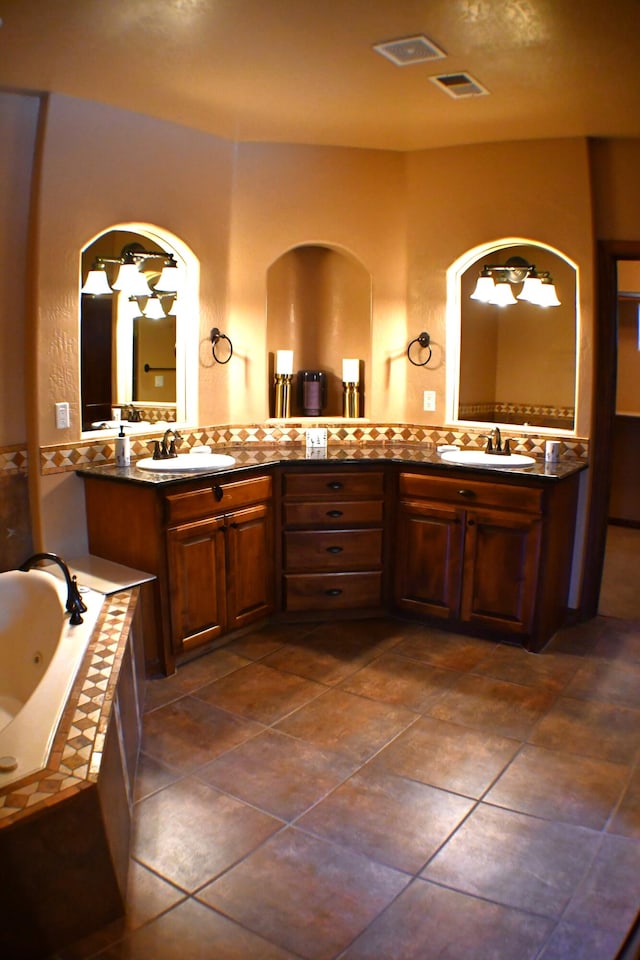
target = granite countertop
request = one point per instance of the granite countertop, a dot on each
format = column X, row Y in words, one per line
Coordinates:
column 250, row 457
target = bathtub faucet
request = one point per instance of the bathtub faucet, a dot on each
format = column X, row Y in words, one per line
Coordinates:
column 75, row 604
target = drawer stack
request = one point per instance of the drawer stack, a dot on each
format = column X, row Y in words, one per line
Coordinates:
column 332, row 540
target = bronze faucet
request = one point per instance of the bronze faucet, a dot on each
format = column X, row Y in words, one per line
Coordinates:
column 495, row 445
column 165, row 449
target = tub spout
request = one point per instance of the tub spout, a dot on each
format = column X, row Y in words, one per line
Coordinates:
column 75, row 604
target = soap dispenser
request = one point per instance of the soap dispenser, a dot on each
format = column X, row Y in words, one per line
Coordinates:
column 123, row 449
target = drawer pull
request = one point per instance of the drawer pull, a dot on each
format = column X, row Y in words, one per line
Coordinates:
column 335, row 549
column 466, row 493
column 334, row 513
column 335, row 485
column 471, row 523
column 335, row 592
column 218, row 492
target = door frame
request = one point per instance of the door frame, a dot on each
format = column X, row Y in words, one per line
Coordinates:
column 605, row 371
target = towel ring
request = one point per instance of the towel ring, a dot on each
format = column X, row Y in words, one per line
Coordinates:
column 216, row 336
column 424, row 340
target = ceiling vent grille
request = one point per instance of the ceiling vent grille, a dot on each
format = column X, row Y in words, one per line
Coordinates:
column 459, row 85
column 410, row 50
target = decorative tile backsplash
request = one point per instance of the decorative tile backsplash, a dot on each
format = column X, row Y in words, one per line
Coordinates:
column 59, row 458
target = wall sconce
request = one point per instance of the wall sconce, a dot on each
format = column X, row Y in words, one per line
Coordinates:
column 283, row 379
column 350, row 388
column 216, row 336
column 496, row 281
column 129, row 278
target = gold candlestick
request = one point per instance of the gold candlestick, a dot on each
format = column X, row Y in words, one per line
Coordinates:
column 283, row 394
column 350, row 399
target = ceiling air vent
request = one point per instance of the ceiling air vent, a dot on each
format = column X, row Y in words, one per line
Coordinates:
column 459, row 85
column 409, row 50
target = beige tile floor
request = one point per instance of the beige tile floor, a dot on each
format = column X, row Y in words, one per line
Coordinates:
column 382, row 790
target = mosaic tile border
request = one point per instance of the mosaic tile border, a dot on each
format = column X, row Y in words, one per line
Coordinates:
column 14, row 459
column 60, row 458
column 74, row 762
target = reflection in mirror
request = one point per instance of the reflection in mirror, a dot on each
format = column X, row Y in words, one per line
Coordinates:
column 128, row 344
column 516, row 363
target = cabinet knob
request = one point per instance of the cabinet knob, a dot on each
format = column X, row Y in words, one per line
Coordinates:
column 471, row 523
column 334, row 513
column 334, row 549
column 335, row 592
column 218, row 493
column 466, row 493
column 335, row 485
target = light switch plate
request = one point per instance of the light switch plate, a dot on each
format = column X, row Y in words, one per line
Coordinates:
column 316, row 437
column 63, row 419
column 429, row 400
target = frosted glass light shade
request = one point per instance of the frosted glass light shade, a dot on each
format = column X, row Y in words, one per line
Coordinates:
column 503, row 294
column 284, row 362
column 548, row 296
column 169, row 279
column 131, row 281
column 96, row 283
column 530, row 290
column 153, row 309
column 484, row 290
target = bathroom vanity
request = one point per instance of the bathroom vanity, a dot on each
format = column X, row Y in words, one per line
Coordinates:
column 359, row 532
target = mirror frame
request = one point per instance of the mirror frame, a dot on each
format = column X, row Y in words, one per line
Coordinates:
column 453, row 336
column 187, row 313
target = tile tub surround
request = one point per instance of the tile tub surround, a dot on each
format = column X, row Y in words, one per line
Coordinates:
column 76, row 753
column 319, row 792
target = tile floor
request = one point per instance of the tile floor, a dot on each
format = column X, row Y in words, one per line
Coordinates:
column 382, row 790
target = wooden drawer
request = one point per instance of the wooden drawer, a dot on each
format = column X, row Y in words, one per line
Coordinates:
column 332, row 591
column 332, row 513
column 469, row 491
column 216, row 498
column 339, row 484
column 342, row 550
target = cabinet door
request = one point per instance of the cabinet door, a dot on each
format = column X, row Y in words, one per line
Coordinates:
column 250, row 565
column 500, row 569
column 429, row 558
column 197, row 579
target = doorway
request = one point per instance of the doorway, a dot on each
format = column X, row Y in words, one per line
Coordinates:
column 609, row 585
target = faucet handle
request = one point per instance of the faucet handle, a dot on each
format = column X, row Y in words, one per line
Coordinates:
column 489, row 446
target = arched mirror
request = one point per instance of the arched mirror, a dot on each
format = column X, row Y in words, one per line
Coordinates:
column 512, row 353
column 138, row 324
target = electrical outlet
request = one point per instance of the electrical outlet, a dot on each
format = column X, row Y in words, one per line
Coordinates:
column 63, row 419
column 429, row 401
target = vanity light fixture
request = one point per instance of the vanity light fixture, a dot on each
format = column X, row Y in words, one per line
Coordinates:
column 130, row 280
column 153, row 309
column 494, row 285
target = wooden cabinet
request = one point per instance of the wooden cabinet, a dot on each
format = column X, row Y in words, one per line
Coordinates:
column 220, row 554
column 490, row 554
column 332, row 540
column 210, row 544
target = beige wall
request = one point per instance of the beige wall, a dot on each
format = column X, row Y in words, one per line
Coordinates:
column 18, row 128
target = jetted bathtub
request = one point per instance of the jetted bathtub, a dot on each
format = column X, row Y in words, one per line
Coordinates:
column 40, row 654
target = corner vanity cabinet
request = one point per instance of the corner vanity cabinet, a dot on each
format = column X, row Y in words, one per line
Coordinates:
column 493, row 554
column 332, row 540
column 209, row 541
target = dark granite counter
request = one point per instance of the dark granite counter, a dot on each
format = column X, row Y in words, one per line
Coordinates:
column 250, row 457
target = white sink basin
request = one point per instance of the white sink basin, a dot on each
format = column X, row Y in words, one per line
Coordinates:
column 477, row 458
column 187, row 463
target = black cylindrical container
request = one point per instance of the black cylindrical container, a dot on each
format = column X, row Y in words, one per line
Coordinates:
column 313, row 388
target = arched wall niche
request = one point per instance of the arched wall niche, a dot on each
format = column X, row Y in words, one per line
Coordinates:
column 319, row 306
column 185, row 309
column 516, row 365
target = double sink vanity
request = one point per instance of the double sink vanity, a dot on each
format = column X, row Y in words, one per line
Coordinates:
column 353, row 531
